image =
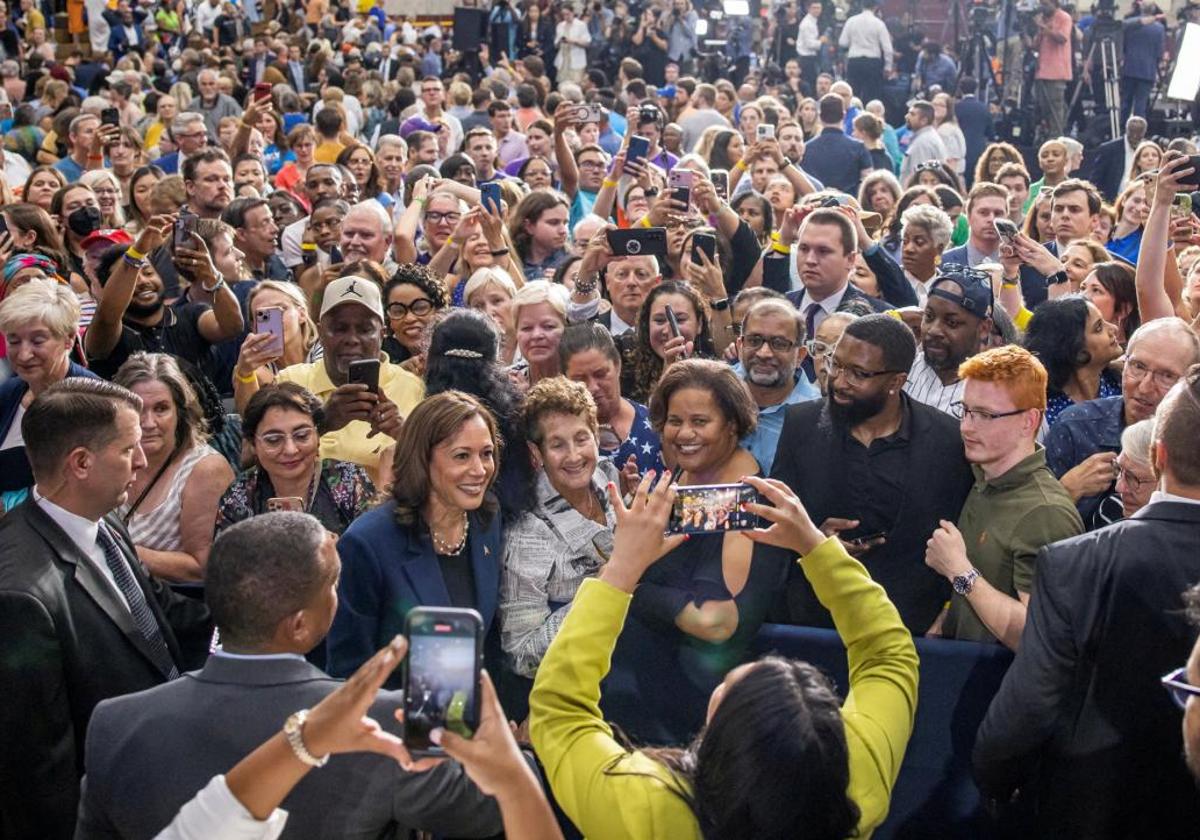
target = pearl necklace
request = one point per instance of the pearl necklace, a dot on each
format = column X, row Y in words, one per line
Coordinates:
column 443, row 547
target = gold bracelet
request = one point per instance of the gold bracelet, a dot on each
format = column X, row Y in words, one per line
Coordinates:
column 245, row 380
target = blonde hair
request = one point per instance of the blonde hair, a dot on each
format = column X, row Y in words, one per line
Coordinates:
column 491, row 275
column 52, row 304
column 541, row 291
column 92, row 178
column 308, row 330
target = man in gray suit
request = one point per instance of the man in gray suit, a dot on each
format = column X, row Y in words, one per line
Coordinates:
column 271, row 584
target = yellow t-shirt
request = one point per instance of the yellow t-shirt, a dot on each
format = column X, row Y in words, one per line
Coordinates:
column 328, row 151
column 350, row 443
column 153, row 133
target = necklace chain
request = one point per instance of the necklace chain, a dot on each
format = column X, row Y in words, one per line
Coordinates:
column 443, row 547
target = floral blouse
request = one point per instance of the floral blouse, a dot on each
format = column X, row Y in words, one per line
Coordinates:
column 342, row 492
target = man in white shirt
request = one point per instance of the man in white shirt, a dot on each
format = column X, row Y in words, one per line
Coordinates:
column 808, row 43
column 80, row 620
column 926, row 144
column 868, row 52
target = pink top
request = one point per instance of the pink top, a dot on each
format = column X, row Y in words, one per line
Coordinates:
column 1054, row 59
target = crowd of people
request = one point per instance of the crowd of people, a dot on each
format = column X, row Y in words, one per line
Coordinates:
column 309, row 318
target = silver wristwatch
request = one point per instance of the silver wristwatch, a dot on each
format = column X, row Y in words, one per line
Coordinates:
column 293, row 730
column 963, row 584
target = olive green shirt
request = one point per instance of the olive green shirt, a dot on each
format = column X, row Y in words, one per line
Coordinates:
column 1004, row 522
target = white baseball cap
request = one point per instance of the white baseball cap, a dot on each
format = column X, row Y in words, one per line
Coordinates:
column 352, row 289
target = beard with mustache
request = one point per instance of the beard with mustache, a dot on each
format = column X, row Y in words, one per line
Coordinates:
column 858, row 410
column 138, row 310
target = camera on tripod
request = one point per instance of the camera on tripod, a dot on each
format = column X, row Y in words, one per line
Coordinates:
column 980, row 18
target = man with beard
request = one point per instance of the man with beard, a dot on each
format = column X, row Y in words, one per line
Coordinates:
column 770, row 351
column 957, row 320
column 1015, row 507
column 208, row 183
column 1079, row 729
column 131, row 314
column 876, row 468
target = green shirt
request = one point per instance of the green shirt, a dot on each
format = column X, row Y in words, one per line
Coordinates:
column 1004, row 522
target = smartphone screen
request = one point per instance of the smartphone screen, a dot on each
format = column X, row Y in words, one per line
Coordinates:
column 1181, row 207
column 490, row 193
column 706, row 508
column 270, row 320
column 639, row 147
column 275, row 504
column 335, row 255
column 365, row 371
column 704, row 243
column 441, row 676
column 720, row 181
column 672, row 321
column 3, row 224
column 185, row 226
column 1006, row 228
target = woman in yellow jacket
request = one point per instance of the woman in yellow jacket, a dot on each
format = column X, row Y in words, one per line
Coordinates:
column 779, row 757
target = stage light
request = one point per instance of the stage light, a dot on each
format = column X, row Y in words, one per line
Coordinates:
column 1185, row 81
column 736, row 8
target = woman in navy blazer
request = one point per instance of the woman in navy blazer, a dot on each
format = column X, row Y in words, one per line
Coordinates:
column 436, row 543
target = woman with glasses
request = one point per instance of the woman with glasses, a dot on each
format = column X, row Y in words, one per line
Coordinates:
column 108, row 194
column 1076, row 345
column 412, row 299
column 480, row 240
column 1135, row 474
column 280, row 428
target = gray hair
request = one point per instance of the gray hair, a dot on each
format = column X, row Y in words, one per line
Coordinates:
column 932, row 219
column 1137, row 439
column 372, row 207
column 541, row 291
column 491, row 275
column 51, row 304
column 184, row 119
column 1174, row 326
column 79, row 120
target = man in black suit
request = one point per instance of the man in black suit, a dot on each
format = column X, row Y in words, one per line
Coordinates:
column 876, row 468
column 1109, row 165
column 1080, row 730
column 80, row 621
column 975, row 120
column 271, row 583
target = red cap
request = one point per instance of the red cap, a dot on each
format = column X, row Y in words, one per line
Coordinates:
column 109, row 236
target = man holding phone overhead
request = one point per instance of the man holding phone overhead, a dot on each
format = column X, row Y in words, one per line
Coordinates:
column 364, row 408
column 875, row 468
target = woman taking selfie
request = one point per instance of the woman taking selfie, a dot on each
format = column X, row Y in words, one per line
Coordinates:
column 656, row 346
column 436, row 543
column 567, row 535
column 170, row 505
column 280, row 427
column 260, row 357
column 700, row 606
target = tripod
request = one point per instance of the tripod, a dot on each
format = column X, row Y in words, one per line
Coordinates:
column 978, row 61
column 1111, row 89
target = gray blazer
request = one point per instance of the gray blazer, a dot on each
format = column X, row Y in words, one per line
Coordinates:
column 148, row 753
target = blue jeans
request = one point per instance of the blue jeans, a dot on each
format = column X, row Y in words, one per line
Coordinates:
column 1135, row 97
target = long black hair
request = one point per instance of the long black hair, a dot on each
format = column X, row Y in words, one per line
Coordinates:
column 463, row 357
column 1056, row 335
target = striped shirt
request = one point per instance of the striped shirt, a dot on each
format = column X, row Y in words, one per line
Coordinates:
column 924, row 386
column 159, row 528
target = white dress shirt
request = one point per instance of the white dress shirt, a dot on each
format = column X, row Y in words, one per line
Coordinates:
column 808, row 37
column 1164, row 496
column 866, row 36
column 83, row 532
column 828, row 306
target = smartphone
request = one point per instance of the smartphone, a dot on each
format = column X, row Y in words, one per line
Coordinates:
column 765, row 131
column 441, row 675
column 705, row 508
column 269, row 319
column 720, row 181
column 639, row 147
column 1006, row 228
column 634, row 242
column 672, row 322
column 1194, row 179
column 110, row 116
column 365, row 371
column 867, row 538
column 588, row 113
column 275, row 504
column 308, row 253
column 262, row 90
column 3, row 224
column 335, row 255
column 840, row 200
column 680, row 181
column 185, row 228
column 490, row 193
column 1181, row 207
column 704, row 243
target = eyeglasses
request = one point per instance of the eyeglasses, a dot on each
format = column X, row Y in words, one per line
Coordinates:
column 964, row 412
column 591, row 164
column 419, row 308
column 1133, row 482
column 275, row 441
column 1179, row 688
column 778, row 343
column 437, row 218
column 856, row 375
column 1162, row 378
column 817, row 348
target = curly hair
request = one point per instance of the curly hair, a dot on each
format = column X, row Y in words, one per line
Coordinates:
column 558, row 395
column 647, row 365
column 1007, row 151
column 413, row 274
column 891, row 226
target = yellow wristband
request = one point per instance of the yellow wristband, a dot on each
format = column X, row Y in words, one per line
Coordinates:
column 450, row 240
column 644, row 221
column 245, row 380
column 608, row 183
column 774, row 236
column 134, row 253
column 780, row 248
column 741, row 164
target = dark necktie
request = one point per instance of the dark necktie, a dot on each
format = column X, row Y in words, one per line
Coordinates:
column 143, row 616
column 811, row 318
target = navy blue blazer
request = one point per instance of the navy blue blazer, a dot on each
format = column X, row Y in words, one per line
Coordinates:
column 15, row 472
column 387, row 569
column 169, row 164
column 1105, row 167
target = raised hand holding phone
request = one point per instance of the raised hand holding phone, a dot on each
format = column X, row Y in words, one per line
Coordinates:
column 640, row 537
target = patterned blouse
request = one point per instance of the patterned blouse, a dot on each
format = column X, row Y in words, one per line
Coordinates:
column 1057, row 401
column 340, row 493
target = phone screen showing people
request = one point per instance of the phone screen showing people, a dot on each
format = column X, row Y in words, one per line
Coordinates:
column 441, row 687
column 708, row 508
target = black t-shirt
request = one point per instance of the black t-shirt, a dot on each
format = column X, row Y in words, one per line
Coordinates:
column 178, row 333
column 459, row 577
column 653, row 60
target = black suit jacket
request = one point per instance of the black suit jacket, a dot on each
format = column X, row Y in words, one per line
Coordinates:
column 1107, row 167
column 978, row 130
column 1080, row 723
column 809, row 461
column 66, row 643
column 149, row 753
